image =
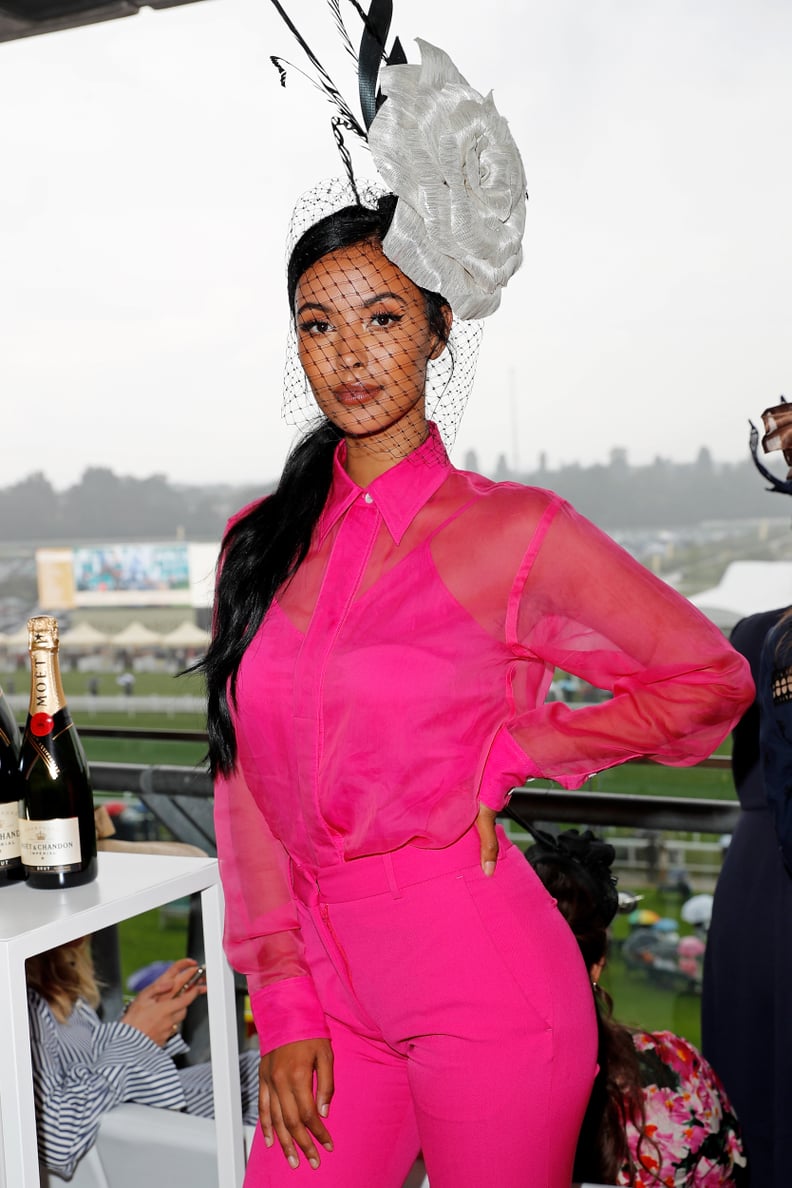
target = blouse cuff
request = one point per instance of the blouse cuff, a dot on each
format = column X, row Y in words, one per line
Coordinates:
column 287, row 1011
column 507, row 766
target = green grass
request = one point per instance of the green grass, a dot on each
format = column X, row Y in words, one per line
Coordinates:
column 162, row 684
column 638, row 1000
column 110, row 750
column 150, row 752
column 152, row 936
column 645, row 779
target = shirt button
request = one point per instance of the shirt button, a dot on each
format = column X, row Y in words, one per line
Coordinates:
column 368, row 498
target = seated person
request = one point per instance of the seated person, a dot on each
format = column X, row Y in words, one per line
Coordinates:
column 83, row 1067
column 658, row 1114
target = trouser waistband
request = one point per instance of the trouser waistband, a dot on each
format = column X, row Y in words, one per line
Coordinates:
column 378, row 874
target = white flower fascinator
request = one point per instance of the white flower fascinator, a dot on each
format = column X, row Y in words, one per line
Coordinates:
column 446, row 153
column 449, row 156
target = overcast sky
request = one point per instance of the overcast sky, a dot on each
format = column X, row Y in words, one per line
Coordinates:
column 149, row 166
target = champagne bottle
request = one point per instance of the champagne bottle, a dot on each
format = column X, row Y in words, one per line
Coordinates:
column 11, row 868
column 56, row 827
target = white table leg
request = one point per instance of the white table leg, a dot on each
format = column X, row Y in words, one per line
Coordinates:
column 223, row 1043
column 17, row 1110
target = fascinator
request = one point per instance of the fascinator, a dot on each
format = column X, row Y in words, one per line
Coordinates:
column 447, row 155
column 589, row 857
column 777, row 436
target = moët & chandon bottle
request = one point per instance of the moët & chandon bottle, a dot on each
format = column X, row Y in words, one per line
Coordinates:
column 11, row 869
column 56, row 827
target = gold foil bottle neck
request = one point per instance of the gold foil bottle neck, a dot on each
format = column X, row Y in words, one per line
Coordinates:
column 43, row 634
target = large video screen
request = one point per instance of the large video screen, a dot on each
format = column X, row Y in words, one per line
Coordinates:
column 118, row 569
column 131, row 575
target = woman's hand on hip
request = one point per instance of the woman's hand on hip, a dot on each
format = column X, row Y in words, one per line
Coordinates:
column 287, row 1105
column 485, row 824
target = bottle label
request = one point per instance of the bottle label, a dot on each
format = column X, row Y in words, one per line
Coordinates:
column 51, row 845
column 9, row 833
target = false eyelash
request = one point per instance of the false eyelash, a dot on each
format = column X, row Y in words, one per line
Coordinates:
column 393, row 318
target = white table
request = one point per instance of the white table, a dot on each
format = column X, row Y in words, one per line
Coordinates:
column 32, row 921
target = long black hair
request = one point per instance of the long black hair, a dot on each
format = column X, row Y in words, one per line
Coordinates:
column 264, row 548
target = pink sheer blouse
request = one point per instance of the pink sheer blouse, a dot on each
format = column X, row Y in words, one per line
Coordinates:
column 400, row 677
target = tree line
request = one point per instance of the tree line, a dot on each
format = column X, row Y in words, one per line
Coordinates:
column 104, row 505
column 107, row 506
column 662, row 494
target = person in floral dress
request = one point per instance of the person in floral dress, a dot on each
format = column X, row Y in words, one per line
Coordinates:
column 659, row 1116
column 691, row 1128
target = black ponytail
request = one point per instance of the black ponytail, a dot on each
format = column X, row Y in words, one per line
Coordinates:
column 262, row 550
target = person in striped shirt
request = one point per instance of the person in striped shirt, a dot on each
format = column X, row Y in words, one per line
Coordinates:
column 84, row 1067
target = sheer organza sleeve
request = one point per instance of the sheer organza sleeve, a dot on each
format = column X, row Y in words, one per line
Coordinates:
column 262, row 929
column 580, row 603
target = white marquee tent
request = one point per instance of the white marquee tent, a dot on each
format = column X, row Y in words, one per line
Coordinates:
column 83, row 637
column 16, row 639
column 186, row 635
column 136, row 635
column 746, row 588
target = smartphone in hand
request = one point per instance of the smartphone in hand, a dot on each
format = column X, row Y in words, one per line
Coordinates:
column 197, row 975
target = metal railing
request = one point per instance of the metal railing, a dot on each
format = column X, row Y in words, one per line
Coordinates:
column 155, row 784
column 696, row 814
column 181, row 796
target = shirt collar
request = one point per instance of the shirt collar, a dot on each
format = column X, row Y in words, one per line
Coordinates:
column 398, row 494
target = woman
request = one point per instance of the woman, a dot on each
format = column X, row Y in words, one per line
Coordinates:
column 386, row 628
column 83, row 1067
column 383, row 704
column 658, row 1114
column 746, row 1029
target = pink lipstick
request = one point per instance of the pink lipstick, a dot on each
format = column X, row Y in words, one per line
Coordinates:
column 356, row 394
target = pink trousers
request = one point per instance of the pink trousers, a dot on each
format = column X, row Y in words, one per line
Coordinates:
column 462, row 1024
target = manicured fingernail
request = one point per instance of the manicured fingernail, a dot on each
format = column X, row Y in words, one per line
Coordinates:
column 314, row 1163
column 268, row 1140
column 328, row 1146
column 489, row 869
column 294, row 1161
column 324, row 1109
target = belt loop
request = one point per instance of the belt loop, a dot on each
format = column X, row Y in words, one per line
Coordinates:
column 390, row 873
column 304, row 886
